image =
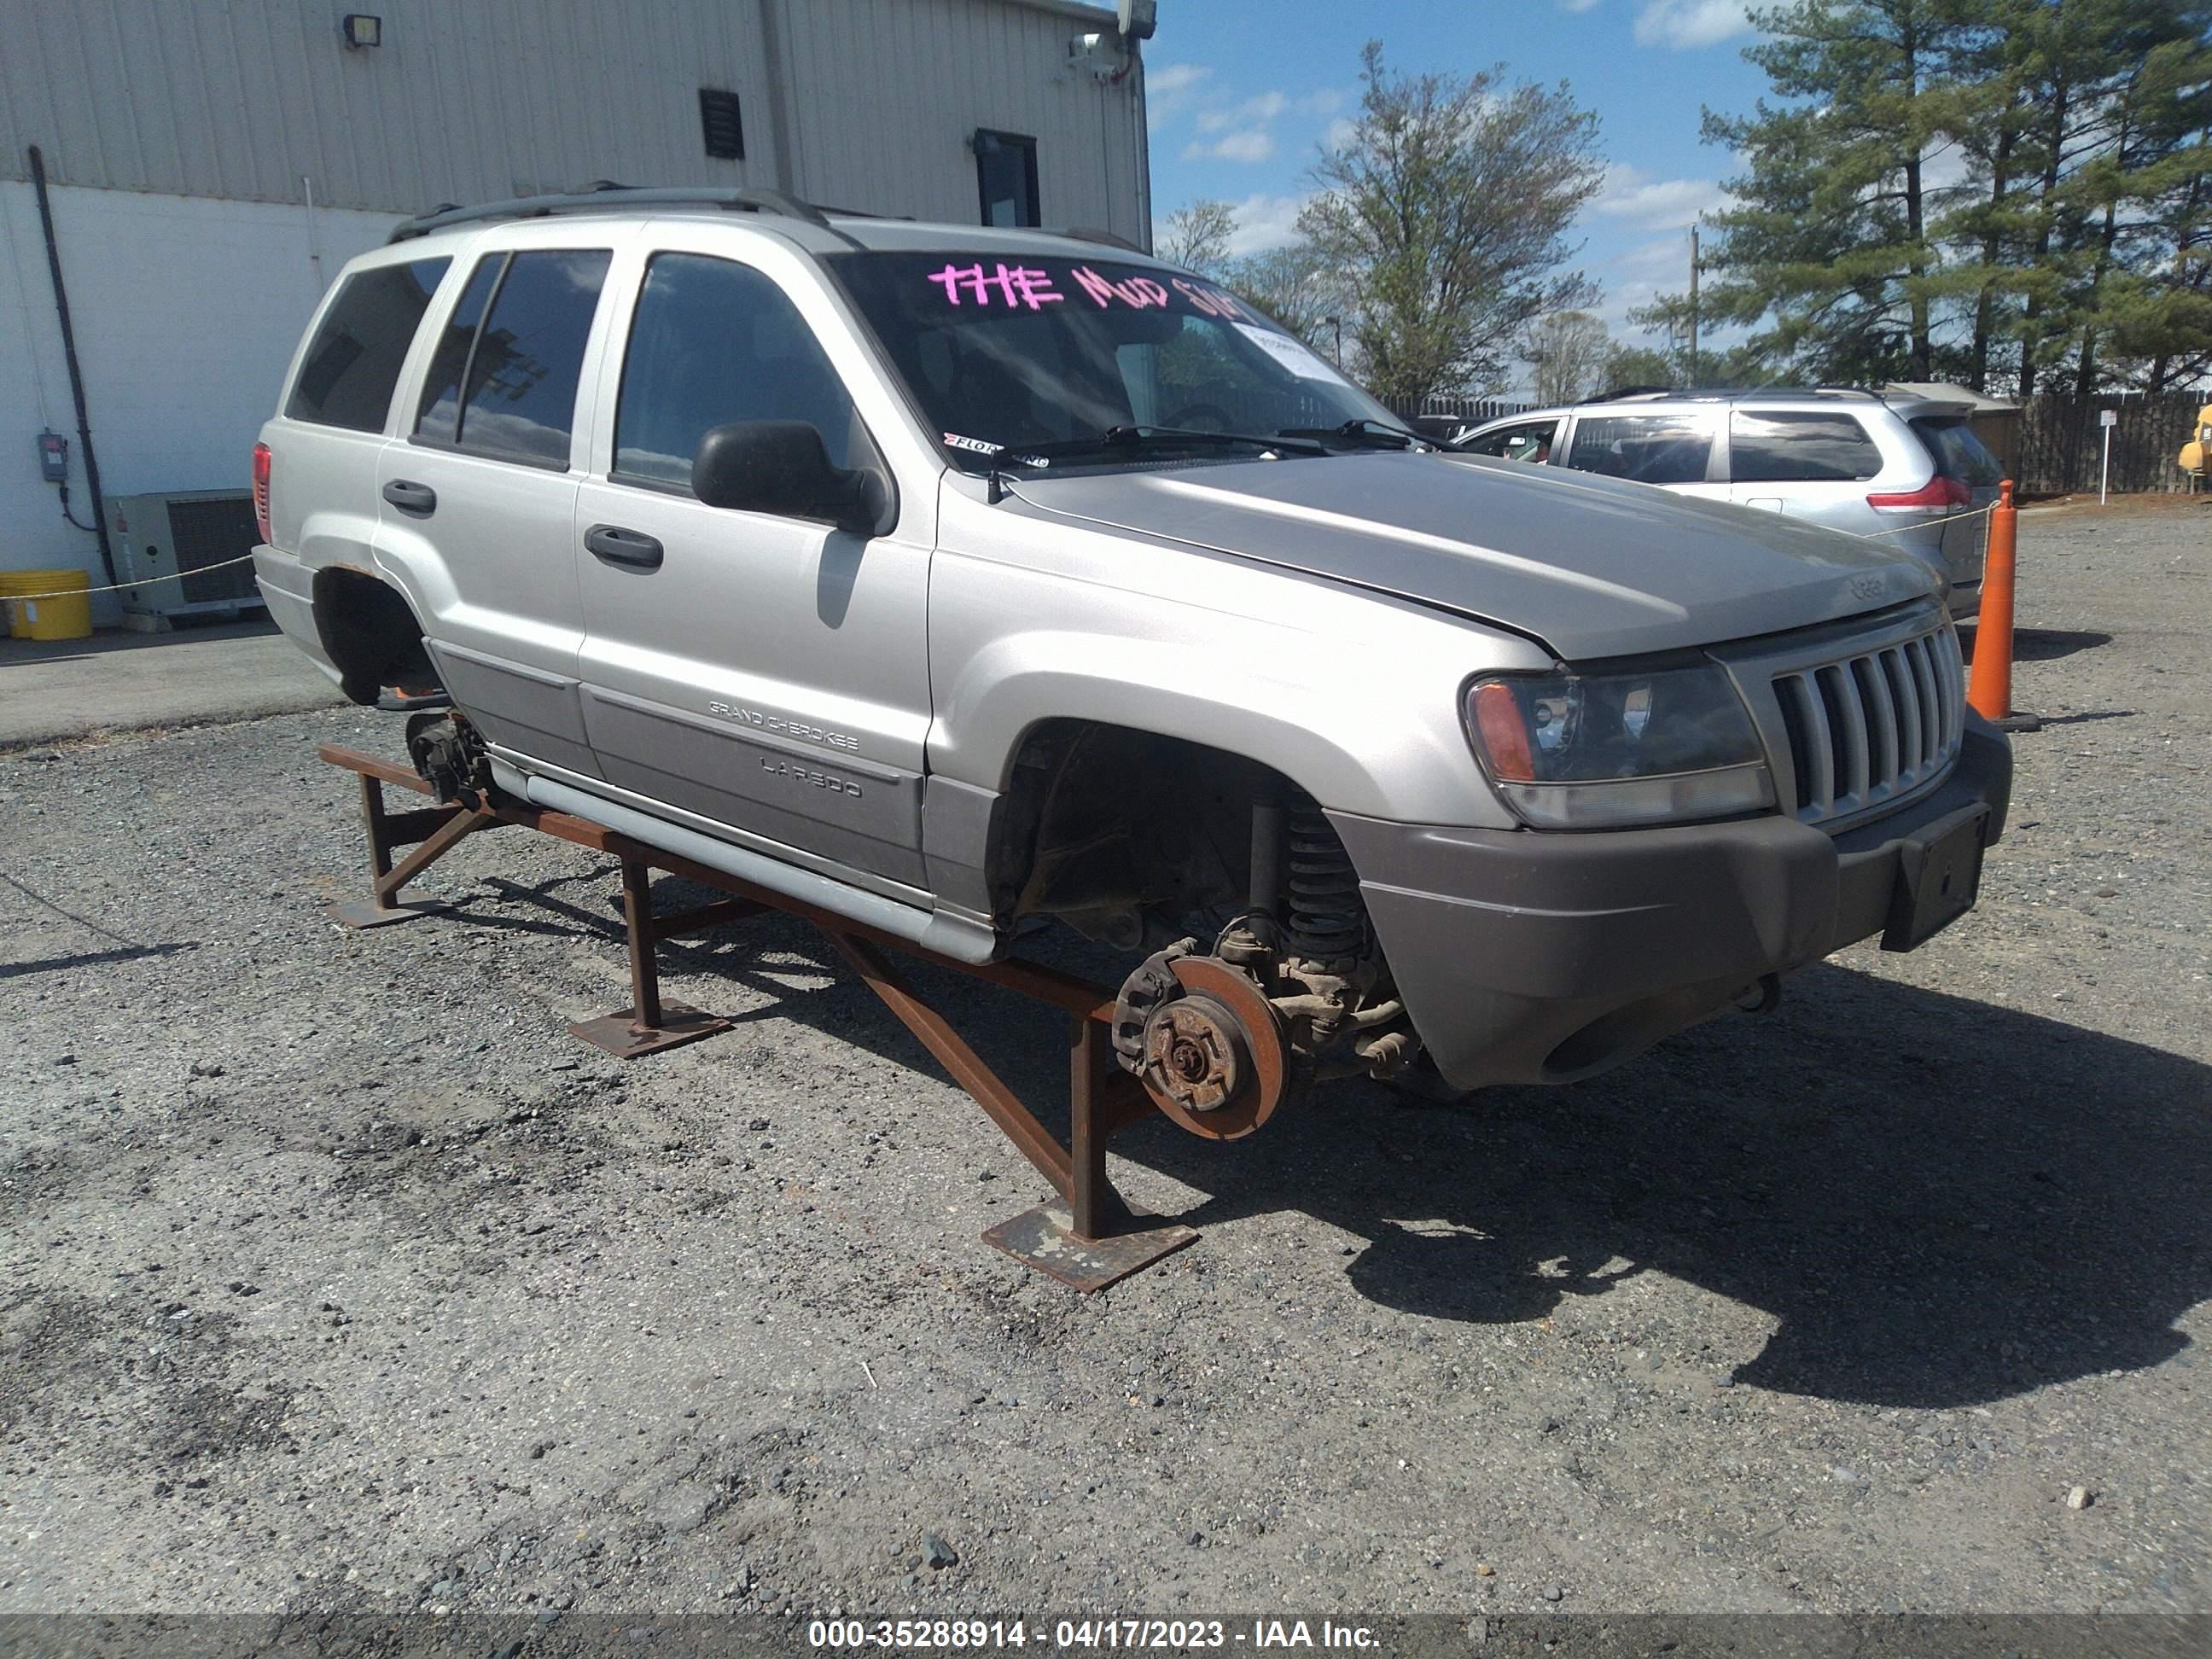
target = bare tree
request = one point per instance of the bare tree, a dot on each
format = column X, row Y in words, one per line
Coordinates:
column 1443, row 215
column 1566, row 355
column 1196, row 235
column 1294, row 285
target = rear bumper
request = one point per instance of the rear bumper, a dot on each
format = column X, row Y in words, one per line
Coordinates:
column 288, row 586
column 1530, row 958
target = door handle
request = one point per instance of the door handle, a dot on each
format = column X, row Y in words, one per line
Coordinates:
column 419, row 499
column 618, row 546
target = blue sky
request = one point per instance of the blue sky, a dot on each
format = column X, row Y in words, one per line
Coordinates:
column 1242, row 94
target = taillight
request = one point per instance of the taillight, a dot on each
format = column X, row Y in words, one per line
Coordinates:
column 261, row 491
column 1938, row 494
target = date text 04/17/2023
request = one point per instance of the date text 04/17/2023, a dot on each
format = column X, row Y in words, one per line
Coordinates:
column 1160, row 1635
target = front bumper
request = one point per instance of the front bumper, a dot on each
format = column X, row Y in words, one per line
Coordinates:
column 1525, row 956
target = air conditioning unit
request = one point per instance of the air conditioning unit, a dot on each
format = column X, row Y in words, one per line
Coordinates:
column 165, row 547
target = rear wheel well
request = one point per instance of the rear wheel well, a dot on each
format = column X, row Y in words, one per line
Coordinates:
column 1106, row 827
column 370, row 634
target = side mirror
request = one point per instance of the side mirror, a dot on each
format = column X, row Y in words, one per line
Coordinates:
column 782, row 467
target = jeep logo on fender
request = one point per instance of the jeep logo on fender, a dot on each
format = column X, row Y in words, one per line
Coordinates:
column 805, row 775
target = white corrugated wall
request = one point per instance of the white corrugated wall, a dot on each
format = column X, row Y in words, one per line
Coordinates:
column 471, row 101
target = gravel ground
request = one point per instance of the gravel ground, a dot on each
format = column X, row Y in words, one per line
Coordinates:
column 337, row 1276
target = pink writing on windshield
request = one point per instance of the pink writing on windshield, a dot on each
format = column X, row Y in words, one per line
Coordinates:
column 1017, row 285
column 1137, row 291
column 1211, row 300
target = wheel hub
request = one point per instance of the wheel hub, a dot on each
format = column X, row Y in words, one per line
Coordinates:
column 1211, row 1053
column 1195, row 1053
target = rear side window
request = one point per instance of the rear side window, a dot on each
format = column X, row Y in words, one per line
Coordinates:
column 1654, row 449
column 1800, row 447
column 352, row 365
column 714, row 341
column 506, row 387
column 439, row 415
column 1958, row 452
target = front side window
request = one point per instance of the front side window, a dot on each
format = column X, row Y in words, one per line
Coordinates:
column 714, row 341
column 350, row 370
column 1061, row 361
column 1654, row 449
column 1799, row 447
column 1531, row 441
column 506, row 387
column 1006, row 178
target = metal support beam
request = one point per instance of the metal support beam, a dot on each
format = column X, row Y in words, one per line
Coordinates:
column 1087, row 1238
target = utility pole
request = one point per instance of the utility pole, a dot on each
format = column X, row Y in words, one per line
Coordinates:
column 1693, row 305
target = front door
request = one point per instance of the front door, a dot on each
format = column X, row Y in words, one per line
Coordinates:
column 478, row 499
column 1672, row 448
column 763, row 679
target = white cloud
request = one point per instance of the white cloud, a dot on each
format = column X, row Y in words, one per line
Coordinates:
column 1266, row 222
column 1339, row 133
column 1944, row 166
column 1252, row 144
column 1577, row 5
column 1252, row 112
column 1648, row 203
column 1171, row 88
column 1688, row 24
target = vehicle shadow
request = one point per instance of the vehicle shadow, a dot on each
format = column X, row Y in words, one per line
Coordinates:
column 1939, row 1202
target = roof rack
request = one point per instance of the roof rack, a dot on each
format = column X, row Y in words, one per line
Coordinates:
column 604, row 197
column 1726, row 392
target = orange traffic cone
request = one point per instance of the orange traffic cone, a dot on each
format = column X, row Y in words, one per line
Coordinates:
column 1988, row 688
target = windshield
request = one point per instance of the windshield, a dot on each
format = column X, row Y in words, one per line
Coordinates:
column 1066, row 353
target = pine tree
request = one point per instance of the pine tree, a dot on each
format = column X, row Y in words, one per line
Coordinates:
column 2010, row 193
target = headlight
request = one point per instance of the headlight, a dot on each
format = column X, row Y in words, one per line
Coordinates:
column 1591, row 751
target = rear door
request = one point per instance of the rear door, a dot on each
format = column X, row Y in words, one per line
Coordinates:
column 766, row 677
column 1673, row 448
column 479, row 502
column 1812, row 464
column 324, row 442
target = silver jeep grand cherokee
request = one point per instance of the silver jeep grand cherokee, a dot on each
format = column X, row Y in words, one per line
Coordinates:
column 952, row 579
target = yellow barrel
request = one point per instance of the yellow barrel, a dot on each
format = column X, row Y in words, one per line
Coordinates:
column 63, row 611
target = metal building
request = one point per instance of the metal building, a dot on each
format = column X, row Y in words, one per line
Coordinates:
column 211, row 164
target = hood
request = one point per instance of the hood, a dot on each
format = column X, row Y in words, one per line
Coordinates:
column 1592, row 567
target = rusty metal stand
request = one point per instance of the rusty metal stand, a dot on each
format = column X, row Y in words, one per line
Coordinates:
column 650, row 1023
column 434, row 831
column 1087, row 1240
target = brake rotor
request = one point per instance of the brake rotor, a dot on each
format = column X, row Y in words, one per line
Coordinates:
column 1214, row 1058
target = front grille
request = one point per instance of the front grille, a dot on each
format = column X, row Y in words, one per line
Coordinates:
column 1867, row 730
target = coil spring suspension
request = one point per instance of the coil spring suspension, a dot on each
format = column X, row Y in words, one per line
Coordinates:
column 1322, row 915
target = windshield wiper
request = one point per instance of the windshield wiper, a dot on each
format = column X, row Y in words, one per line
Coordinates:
column 1361, row 428
column 1170, row 437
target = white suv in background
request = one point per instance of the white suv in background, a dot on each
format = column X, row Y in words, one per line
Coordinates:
column 1897, row 465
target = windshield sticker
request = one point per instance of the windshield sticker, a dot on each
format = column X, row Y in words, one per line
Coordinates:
column 1293, row 355
column 1017, row 285
column 977, row 446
